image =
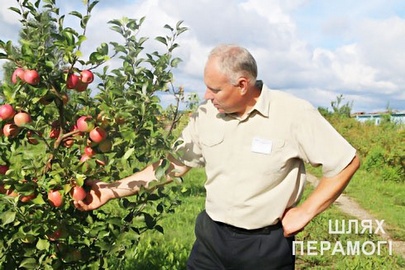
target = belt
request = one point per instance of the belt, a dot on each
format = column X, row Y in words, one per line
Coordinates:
column 264, row 230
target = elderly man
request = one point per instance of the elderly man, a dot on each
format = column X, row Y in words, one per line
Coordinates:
column 253, row 143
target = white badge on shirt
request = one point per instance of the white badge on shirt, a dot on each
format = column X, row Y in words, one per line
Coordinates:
column 261, row 146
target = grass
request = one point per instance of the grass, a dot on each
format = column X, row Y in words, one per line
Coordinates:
column 171, row 249
column 385, row 200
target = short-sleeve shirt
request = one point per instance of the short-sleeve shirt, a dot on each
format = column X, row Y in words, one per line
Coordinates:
column 255, row 165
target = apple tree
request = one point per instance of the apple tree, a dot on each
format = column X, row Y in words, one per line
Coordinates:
column 66, row 119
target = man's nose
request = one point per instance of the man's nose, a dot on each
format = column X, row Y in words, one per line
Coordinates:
column 208, row 95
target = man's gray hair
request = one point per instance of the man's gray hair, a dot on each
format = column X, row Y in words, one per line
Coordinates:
column 235, row 61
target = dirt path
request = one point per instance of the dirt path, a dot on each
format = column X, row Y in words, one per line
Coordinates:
column 352, row 208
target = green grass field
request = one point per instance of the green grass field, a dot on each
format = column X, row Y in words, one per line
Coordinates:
column 170, row 250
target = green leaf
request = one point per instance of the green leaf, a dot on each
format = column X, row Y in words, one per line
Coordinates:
column 42, row 244
column 28, row 263
column 80, row 179
column 128, row 153
column 8, row 217
column 162, row 40
column 77, row 14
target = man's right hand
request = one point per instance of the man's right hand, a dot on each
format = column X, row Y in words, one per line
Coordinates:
column 98, row 195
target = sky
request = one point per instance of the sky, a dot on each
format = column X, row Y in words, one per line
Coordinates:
column 314, row 49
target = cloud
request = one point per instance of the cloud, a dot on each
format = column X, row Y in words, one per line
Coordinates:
column 314, row 49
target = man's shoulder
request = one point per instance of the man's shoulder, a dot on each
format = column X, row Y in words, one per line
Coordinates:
column 287, row 100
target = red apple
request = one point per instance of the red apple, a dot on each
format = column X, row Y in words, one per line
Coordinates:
column 98, row 135
column 84, row 158
column 81, row 86
column 10, row 130
column 78, row 193
column 84, row 123
column 31, row 77
column 56, row 235
column 31, row 138
column 10, row 192
column 17, row 74
column 86, row 76
column 22, row 118
column 27, row 198
column 89, row 151
column 6, row 112
column 55, row 198
column 72, row 81
column 3, row 169
column 68, row 142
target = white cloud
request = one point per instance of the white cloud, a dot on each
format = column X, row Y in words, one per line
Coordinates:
column 315, row 49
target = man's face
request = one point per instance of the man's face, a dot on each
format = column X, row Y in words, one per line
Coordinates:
column 225, row 96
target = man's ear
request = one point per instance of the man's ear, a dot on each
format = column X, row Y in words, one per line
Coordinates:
column 243, row 84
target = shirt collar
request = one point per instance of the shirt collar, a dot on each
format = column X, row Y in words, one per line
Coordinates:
column 263, row 102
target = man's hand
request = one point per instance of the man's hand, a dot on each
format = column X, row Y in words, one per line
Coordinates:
column 294, row 221
column 98, row 195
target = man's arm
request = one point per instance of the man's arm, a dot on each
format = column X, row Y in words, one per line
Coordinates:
column 328, row 190
column 102, row 192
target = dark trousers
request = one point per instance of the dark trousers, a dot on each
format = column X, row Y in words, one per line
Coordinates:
column 222, row 247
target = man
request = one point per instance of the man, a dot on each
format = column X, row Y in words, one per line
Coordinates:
column 253, row 143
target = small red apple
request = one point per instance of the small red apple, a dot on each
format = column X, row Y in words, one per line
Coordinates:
column 84, row 123
column 55, row 198
column 84, row 158
column 78, row 193
column 18, row 74
column 10, row 192
column 98, row 135
column 31, row 138
column 27, row 198
column 22, row 118
column 72, row 81
column 10, row 130
column 3, row 169
column 89, row 151
column 81, row 86
column 86, row 76
column 6, row 112
column 68, row 142
column 31, row 77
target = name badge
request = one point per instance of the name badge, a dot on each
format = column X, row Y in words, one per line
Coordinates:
column 261, row 146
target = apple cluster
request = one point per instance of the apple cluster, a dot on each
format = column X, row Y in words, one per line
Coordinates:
column 79, row 82
column 13, row 120
column 92, row 130
column 29, row 76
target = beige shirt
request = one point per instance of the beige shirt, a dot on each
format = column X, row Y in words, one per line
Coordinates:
column 255, row 166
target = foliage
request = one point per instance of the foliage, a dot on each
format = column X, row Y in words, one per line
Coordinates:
column 48, row 153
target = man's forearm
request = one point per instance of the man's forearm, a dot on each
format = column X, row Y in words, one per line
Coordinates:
column 329, row 189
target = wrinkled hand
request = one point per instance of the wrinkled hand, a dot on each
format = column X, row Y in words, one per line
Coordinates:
column 294, row 221
column 98, row 195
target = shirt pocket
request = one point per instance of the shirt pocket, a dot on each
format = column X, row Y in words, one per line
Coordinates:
column 273, row 163
column 212, row 139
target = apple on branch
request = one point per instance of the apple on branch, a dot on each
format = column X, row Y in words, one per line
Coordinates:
column 85, row 123
column 31, row 76
column 10, row 130
column 18, row 74
column 22, row 118
column 78, row 193
column 86, row 76
column 6, row 112
column 55, row 198
column 98, row 135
